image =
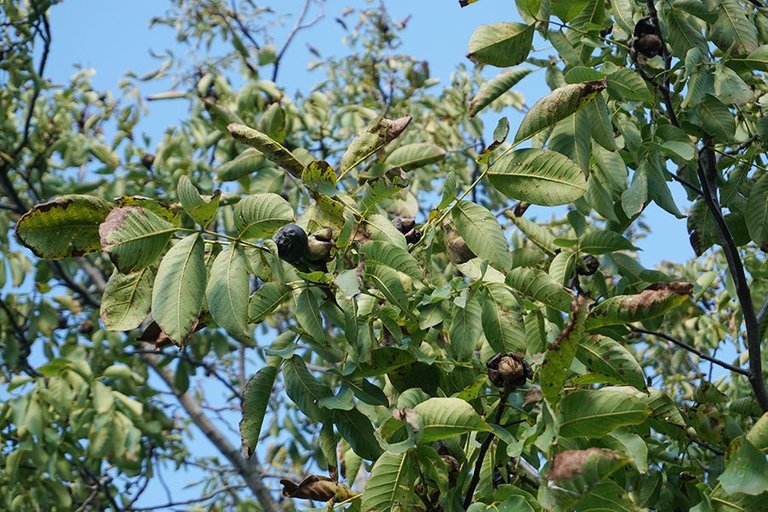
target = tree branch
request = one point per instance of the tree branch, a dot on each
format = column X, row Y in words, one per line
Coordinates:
column 707, row 171
column 298, row 27
column 693, row 350
column 484, row 449
column 201, row 499
column 250, row 473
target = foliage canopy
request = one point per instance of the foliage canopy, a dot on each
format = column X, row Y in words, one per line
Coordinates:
column 359, row 270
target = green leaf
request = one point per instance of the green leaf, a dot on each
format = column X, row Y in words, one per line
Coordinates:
column 501, row 327
column 270, row 148
column 732, row 31
column 594, row 413
column 127, row 299
column 442, row 418
column 356, row 429
column 538, row 285
column 413, row 156
column 628, row 85
column 179, row 289
column 387, row 281
column 680, row 31
column 134, row 237
column 556, row 106
column 266, row 299
column 466, row 329
column 601, row 242
column 538, row 176
column 715, row 118
column 201, row 209
column 367, row 392
column 308, row 314
column 227, row 291
column 757, row 206
column 381, row 228
column 394, row 257
column 390, row 485
column 494, row 88
column 482, row 233
column 501, row 44
column 605, row 356
column 67, row 226
column 601, row 127
column 261, row 215
column 746, row 469
column 377, row 134
column 583, row 476
column 557, row 361
column 256, row 395
column 650, row 303
column 248, row 162
column 571, row 137
column 758, row 434
column 304, row 389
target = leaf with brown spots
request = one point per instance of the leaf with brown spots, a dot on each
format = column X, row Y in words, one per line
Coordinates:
column 557, row 360
column 65, row 227
column 580, row 475
column 654, row 301
column 379, row 132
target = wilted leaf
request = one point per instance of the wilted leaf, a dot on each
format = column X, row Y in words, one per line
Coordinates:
column 269, row 147
column 654, row 301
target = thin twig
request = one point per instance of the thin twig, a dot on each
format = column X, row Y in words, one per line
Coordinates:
column 201, row 499
column 298, row 27
column 693, row 350
column 484, row 449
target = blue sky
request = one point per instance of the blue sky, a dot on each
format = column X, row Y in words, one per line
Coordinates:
column 111, row 36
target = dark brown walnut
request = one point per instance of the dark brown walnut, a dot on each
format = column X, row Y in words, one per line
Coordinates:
column 148, row 160
column 292, row 243
column 413, row 236
column 508, row 370
column 645, row 26
column 648, row 45
column 588, row 265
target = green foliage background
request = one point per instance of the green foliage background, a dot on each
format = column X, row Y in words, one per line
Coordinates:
column 437, row 348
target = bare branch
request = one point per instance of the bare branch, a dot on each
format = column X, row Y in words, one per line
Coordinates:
column 298, row 27
column 228, row 488
column 250, row 472
column 693, row 350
